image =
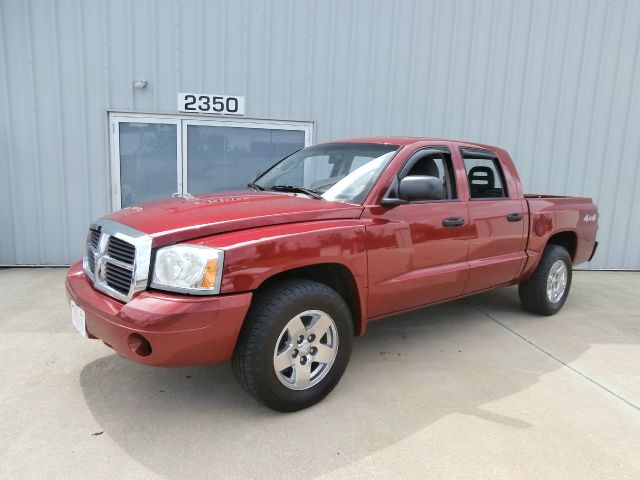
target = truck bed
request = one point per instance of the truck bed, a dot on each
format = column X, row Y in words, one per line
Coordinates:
column 574, row 218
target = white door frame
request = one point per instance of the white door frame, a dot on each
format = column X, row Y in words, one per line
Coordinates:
column 182, row 122
column 114, row 130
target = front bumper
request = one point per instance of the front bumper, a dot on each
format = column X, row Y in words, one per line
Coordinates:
column 180, row 329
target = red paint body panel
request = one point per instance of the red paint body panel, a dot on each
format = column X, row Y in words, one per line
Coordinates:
column 400, row 257
column 180, row 219
column 182, row 330
column 413, row 259
column 550, row 215
column 252, row 256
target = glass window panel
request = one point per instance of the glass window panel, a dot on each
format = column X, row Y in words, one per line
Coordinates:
column 485, row 178
column 227, row 158
column 148, row 153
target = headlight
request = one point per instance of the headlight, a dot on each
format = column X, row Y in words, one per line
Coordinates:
column 189, row 269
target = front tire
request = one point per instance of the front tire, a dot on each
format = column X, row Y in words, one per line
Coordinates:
column 547, row 289
column 294, row 346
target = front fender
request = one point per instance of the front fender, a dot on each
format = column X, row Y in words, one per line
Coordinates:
column 254, row 255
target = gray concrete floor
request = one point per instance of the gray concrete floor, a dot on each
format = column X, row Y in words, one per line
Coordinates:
column 471, row 389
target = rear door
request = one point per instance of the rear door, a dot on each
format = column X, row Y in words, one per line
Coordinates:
column 417, row 252
column 497, row 216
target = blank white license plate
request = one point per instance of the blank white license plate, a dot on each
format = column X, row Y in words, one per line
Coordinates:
column 77, row 318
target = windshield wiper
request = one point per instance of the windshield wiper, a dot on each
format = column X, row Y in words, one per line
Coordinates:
column 255, row 186
column 295, row 188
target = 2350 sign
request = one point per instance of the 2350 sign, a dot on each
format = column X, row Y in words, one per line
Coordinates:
column 217, row 104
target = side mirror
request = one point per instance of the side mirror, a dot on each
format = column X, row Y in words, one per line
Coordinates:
column 421, row 187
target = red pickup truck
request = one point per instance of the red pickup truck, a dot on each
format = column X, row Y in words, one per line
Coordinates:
column 280, row 277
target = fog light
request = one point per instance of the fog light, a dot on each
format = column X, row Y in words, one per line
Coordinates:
column 139, row 345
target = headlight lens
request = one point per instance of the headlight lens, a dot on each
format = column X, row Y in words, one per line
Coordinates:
column 189, row 269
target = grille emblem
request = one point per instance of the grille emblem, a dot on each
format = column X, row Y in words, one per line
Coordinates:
column 100, row 271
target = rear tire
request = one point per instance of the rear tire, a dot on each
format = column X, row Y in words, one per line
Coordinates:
column 547, row 289
column 294, row 346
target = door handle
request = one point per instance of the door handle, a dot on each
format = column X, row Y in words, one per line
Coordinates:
column 453, row 222
column 514, row 217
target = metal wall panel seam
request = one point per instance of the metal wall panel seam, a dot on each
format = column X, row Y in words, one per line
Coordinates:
column 558, row 103
column 61, row 144
column 413, row 62
column 607, row 136
column 351, row 62
column 372, row 56
column 288, row 41
column 392, row 70
column 525, row 82
column 131, row 54
column 88, row 205
column 453, row 20
column 577, row 96
column 471, row 55
column 34, row 123
column 154, row 53
column 177, row 40
column 8, row 114
column 488, row 77
column 426, row 126
column 332, row 55
column 509, row 72
column 267, row 24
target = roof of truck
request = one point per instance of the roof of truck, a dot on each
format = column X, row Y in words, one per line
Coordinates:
column 404, row 141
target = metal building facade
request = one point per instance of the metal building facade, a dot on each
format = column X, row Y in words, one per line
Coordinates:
column 555, row 82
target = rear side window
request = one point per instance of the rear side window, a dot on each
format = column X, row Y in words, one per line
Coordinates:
column 485, row 177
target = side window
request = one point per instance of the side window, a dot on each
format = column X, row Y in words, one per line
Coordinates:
column 485, row 177
column 439, row 166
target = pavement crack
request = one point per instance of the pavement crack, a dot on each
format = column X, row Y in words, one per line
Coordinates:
column 551, row 355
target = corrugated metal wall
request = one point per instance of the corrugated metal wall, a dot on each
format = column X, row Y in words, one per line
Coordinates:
column 555, row 82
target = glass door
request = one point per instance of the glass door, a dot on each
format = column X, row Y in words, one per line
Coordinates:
column 226, row 156
column 153, row 157
column 147, row 164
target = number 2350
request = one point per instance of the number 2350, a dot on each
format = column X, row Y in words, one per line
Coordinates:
column 210, row 103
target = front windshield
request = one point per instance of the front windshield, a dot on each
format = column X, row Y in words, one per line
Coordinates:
column 342, row 172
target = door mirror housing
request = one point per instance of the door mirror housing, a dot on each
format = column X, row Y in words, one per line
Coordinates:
column 421, row 187
column 414, row 188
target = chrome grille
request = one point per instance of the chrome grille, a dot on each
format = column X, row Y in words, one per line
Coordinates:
column 118, row 278
column 118, row 259
column 93, row 240
column 121, row 250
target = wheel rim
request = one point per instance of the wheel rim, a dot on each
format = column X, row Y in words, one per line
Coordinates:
column 557, row 281
column 306, row 349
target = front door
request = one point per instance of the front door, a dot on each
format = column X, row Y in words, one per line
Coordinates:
column 417, row 252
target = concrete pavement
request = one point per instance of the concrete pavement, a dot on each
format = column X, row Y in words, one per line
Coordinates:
column 471, row 389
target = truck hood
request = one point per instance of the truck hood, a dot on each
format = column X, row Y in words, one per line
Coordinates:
column 180, row 219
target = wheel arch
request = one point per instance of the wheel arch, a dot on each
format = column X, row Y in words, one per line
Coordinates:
column 566, row 239
column 336, row 276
